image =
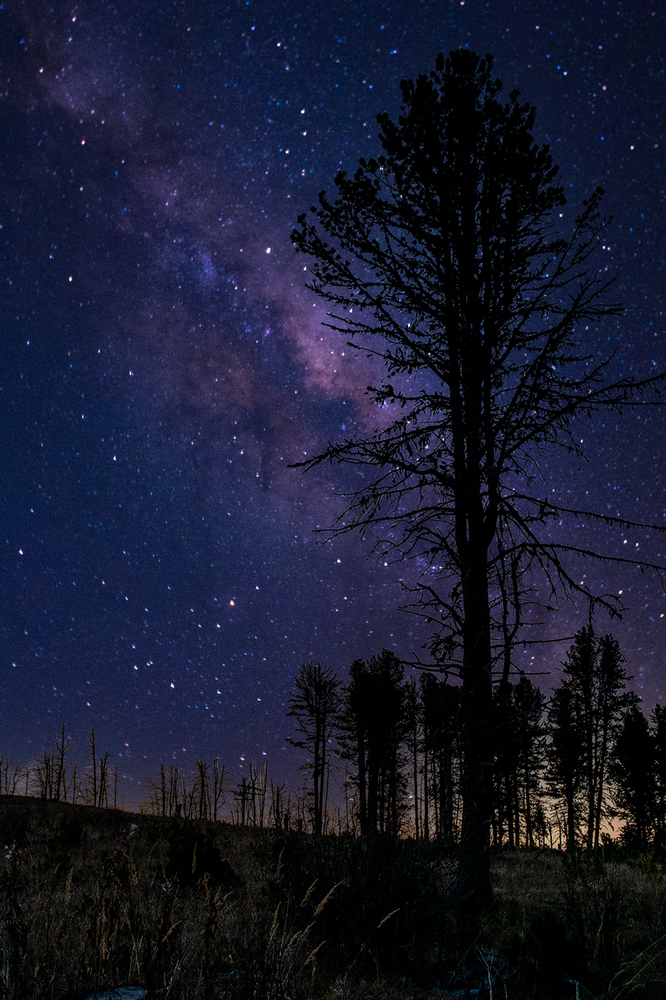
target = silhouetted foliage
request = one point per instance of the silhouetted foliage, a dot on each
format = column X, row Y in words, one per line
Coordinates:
column 659, row 735
column 442, row 732
column 505, row 725
column 565, row 757
column 632, row 768
column 413, row 743
column 519, row 760
column 528, row 703
column 594, row 698
column 372, row 729
column 315, row 705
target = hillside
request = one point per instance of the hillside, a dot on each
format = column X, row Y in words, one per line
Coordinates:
column 94, row 899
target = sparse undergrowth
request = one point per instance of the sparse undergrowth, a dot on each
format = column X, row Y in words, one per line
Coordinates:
column 94, row 899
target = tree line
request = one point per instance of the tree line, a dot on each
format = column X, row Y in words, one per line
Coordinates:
column 54, row 777
column 574, row 769
column 385, row 754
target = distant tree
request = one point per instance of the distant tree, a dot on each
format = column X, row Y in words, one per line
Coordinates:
column 258, row 785
column 103, row 782
column 201, row 791
column 659, row 736
column 633, row 771
column 385, row 729
column 158, row 801
column 442, row 731
column 314, row 705
column 279, row 804
column 216, row 787
column 519, row 740
column 413, row 730
column 441, row 260
column 529, row 703
column 595, row 674
column 93, row 782
column 353, row 736
column 51, row 772
column 505, row 729
column 63, row 744
column 44, row 770
column 613, row 698
column 97, row 786
column 565, row 757
column 542, row 826
column 242, row 796
column 372, row 732
column 10, row 775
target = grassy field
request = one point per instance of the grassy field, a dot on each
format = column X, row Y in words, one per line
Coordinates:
column 94, row 899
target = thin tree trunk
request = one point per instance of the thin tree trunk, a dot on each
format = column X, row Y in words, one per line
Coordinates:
column 415, row 779
column 600, row 784
column 571, row 819
column 473, row 879
column 426, row 798
column 362, row 790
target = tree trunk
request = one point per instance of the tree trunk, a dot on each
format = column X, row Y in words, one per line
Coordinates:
column 317, row 780
column 415, row 779
column 447, row 801
column 373, row 794
column 362, row 796
column 571, row 819
column 473, row 878
column 529, row 831
column 426, row 798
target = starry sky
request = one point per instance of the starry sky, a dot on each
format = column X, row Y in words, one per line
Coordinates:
column 162, row 361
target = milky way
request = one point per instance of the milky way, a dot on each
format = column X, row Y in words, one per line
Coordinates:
column 163, row 361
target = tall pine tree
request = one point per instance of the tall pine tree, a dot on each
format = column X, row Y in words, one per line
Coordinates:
column 440, row 258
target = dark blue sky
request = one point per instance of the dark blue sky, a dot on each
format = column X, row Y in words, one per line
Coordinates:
column 162, row 361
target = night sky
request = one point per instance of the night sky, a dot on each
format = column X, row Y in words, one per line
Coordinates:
column 162, row 362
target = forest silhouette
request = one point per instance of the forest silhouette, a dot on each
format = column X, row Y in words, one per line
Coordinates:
column 241, row 886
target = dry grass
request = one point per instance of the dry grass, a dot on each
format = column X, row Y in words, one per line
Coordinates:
column 91, row 900
column 599, row 922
